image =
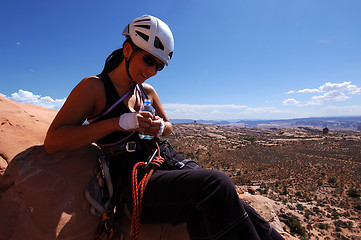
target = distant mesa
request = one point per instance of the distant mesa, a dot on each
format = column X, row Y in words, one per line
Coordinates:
column 352, row 123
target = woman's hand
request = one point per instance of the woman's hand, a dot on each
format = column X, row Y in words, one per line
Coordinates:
column 150, row 124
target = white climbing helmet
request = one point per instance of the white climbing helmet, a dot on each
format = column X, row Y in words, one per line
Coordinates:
column 152, row 35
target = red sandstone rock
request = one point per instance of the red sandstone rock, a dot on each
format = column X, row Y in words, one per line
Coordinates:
column 43, row 197
column 21, row 126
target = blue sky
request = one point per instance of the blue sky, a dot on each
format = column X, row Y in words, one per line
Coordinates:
column 233, row 59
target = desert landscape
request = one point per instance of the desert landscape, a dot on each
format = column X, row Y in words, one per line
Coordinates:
column 313, row 177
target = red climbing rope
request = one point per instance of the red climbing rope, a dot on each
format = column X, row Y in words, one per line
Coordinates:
column 138, row 189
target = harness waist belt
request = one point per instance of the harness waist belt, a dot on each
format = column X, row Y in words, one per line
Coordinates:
column 130, row 146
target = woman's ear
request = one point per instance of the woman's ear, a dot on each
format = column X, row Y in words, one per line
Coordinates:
column 127, row 50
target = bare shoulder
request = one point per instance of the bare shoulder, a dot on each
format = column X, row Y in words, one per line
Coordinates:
column 94, row 89
column 90, row 87
column 87, row 98
column 148, row 88
column 92, row 82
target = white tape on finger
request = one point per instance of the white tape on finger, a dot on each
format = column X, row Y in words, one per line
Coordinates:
column 162, row 125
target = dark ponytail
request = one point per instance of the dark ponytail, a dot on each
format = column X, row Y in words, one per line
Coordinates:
column 115, row 58
column 113, row 61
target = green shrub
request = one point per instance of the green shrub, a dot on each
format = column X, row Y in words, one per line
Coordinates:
column 358, row 206
column 335, row 214
column 340, row 223
column 319, row 183
column 294, row 224
column 324, row 226
column 308, row 213
column 316, row 210
column 354, row 193
column 300, row 207
column 332, row 180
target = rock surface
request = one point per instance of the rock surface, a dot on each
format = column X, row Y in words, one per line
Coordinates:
column 21, row 126
column 42, row 195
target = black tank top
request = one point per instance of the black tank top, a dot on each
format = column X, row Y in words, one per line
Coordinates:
column 112, row 97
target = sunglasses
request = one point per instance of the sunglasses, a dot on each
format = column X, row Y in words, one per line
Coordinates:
column 150, row 61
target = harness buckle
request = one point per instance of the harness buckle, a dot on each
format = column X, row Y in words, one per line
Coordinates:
column 131, row 146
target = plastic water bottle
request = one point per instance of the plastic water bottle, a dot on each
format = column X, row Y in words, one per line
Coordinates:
column 147, row 108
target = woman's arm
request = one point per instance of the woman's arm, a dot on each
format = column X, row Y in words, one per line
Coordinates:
column 67, row 131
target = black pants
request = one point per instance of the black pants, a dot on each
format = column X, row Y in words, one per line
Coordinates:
column 207, row 201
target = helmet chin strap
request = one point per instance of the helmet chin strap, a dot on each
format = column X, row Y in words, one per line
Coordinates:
column 127, row 64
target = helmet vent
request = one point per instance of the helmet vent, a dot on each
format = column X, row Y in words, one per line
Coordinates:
column 144, row 36
column 142, row 20
column 158, row 43
column 143, row 26
column 170, row 55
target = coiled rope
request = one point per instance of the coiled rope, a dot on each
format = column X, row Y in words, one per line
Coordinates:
column 138, row 189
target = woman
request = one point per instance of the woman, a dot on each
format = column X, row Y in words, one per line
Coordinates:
column 205, row 199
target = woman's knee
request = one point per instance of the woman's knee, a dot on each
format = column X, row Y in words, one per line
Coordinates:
column 219, row 178
column 217, row 184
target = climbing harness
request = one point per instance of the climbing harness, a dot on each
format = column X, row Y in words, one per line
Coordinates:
column 100, row 189
column 154, row 162
column 99, row 193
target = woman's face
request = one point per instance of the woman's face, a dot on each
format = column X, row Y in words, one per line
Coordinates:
column 143, row 65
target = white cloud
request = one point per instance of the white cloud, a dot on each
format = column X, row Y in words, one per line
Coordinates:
column 308, row 90
column 331, row 92
column 332, row 96
column 292, row 101
column 290, row 92
column 28, row 97
column 340, row 87
column 334, row 87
